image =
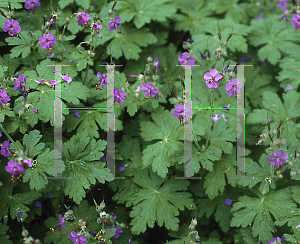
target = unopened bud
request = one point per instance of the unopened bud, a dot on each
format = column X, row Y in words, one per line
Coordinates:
column 67, row 21
column 280, row 176
column 60, row 37
column 275, row 132
column 282, row 142
column 91, row 54
column 149, row 59
column 24, row 233
column 109, row 12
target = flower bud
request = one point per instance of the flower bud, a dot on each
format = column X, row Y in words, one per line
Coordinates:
column 24, row 233
column 67, row 20
column 147, row 78
column 91, row 54
column 282, row 142
column 60, row 37
column 280, row 176
column 109, row 12
column 275, row 132
column 194, row 221
column 149, row 59
column 99, row 220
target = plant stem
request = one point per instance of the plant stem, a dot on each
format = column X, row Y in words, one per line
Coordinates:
column 194, row 137
column 209, row 118
column 8, row 136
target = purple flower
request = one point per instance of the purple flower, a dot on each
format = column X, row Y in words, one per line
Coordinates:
column 28, row 162
column 77, row 239
column 12, row 27
column 212, row 78
column 61, row 222
column 31, row 4
column 296, row 21
column 119, row 95
column 115, row 25
column 83, row 18
column 14, row 168
column 259, row 17
column 40, row 81
column 38, row 204
column 4, row 97
column 185, row 59
column 204, row 56
column 103, row 80
column 275, row 240
column 149, row 89
column 156, row 64
column 50, row 56
column 47, row 41
column 138, row 89
column 19, row 215
column 283, row 238
column 228, row 201
column 77, row 114
column 5, row 151
column 179, row 112
column 67, row 78
column 122, row 168
column 283, row 5
column 0, row 134
column 288, row 87
column 132, row 75
column 53, row 82
column 278, row 158
column 50, row 194
column 192, row 6
column 20, row 84
column 97, row 27
column 118, row 230
column 216, row 117
column 233, row 87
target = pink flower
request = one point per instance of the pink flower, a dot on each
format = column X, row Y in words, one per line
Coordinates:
column 233, row 87
column 296, row 21
column 4, row 97
column 83, row 18
column 185, row 59
column 28, row 162
column 31, row 4
column 97, row 27
column 119, row 95
column 149, row 89
column 12, row 27
column 181, row 113
column 47, row 41
column 67, row 78
column 278, row 158
column 115, row 25
column 5, row 148
column 275, row 240
column 14, row 168
column 62, row 221
column 288, row 87
column 216, row 117
column 212, row 78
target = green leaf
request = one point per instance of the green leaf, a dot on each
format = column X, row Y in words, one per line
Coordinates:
column 156, row 199
column 289, row 74
column 15, row 4
column 168, row 132
column 69, row 38
column 22, row 46
column 275, row 38
column 256, row 212
column 64, row 3
column 279, row 111
column 4, row 112
column 3, row 237
column 129, row 42
column 144, row 12
column 16, row 203
column 81, row 157
column 37, row 175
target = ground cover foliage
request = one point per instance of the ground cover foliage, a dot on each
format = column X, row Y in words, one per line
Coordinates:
column 149, row 38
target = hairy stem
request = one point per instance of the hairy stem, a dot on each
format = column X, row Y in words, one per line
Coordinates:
column 209, row 119
column 8, row 136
